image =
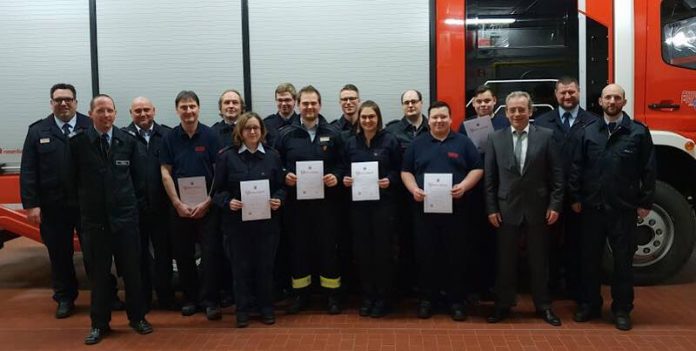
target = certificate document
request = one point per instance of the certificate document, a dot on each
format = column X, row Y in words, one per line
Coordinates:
column 478, row 129
column 438, row 192
column 365, row 180
column 310, row 182
column 256, row 197
column 192, row 190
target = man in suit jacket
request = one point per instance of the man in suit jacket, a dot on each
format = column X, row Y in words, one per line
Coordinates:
column 567, row 121
column 107, row 178
column 150, row 136
column 524, row 195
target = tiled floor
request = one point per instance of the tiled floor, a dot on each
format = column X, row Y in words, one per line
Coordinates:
column 665, row 319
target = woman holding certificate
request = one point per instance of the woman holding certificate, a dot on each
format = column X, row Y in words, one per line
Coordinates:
column 375, row 163
column 249, row 183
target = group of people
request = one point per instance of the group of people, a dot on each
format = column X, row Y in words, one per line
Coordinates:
column 145, row 194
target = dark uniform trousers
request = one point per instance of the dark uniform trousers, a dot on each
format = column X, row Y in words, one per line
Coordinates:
column 440, row 247
column 156, row 266
column 57, row 229
column 186, row 232
column 482, row 254
column 252, row 248
column 564, row 253
column 314, row 236
column 536, row 238
column 100, row 244
column 372, row 223
column 619, row 229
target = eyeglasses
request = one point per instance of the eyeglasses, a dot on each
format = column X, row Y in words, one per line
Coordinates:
column 410, row 102
column 252, row 128
column 285, row 100
column 66, row 100
column 349, row 98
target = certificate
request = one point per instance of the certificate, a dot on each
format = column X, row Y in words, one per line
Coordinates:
column 310, row 182
column 256, row 199
column 477, row 129
column 192, row 190
column 365, row 180
column 438, row 192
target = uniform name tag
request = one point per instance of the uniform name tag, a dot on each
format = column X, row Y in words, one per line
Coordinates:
column 123, row 162
column 44, row 140
column 199, row 149
column 324, row 139
column 452, row 155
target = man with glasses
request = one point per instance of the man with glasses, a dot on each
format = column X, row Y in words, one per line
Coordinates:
column 43, row 173
column 285, row 102
column 411, row 125
column 349, row 99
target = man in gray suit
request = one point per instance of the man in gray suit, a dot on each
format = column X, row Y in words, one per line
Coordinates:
column 524, row 195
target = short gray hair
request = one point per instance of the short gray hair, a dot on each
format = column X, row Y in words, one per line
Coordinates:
column 519, row 94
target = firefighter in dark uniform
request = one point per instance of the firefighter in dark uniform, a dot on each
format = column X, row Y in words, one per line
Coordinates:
column 481, row 263
column 189, row 152
column 231, row 106
column 567, row 122
column 314, row 222
column 612, row 180
column 373, row 222
column 413, row 124
column 285, row 96
column 43, row 172
column 108, row 180
column 44, row 169
column 156, row 267
column 250, row 244
column 439, row 239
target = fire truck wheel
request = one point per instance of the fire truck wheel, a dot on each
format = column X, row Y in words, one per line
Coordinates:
column 665, row 238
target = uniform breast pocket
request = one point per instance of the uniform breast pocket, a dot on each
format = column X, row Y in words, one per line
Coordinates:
column 46, row 148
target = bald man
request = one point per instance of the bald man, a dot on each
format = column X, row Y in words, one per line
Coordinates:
column 152, row 228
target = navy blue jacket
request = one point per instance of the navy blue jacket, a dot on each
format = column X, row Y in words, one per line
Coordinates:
column 156, row 199
column 275, row 124
column 294, row 144
column 224, row 131
column 383, row 148
column 46, row 164
column 404, row 132
column 617, row 171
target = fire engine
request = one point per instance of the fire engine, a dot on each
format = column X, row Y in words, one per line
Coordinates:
column 445, row 48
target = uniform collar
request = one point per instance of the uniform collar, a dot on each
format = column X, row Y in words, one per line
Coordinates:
column 244, row 148
column 71, row 122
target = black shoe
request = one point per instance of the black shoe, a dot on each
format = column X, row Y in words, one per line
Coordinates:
column 498, row 315
column 622, row 321
column 117, row 304
column 141, row 327
column 242, row 319
column 586, row 313
column 458, row 312
column 549, row 317
column 95, row 335
column 65, row 309
column 333, row 307
column 379, row 309
column 213, row 313
column 267, row 317
column 189, row 309
column 299, row 303
column 425, row 309
column 365, row 308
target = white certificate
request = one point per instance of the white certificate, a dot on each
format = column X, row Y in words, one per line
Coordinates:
column 256, row 199
column 438, row 192
column 192, row 190
column 310, row 182
column 365, row 180
column 477, row 130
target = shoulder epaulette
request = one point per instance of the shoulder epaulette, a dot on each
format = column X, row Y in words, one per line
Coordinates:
column 35, row 123
column 224, row 149
column 130, row 132
column 394, row 121
column 165, row 126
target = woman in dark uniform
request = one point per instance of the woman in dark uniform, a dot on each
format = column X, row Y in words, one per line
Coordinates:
column 250, row 244
column 373, row 221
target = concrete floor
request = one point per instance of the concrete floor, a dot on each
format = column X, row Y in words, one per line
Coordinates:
column 664, row 319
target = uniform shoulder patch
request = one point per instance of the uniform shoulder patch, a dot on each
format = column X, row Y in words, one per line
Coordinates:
column 128, row 131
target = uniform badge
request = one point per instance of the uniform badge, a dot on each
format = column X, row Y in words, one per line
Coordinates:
column 44, row 140
column 122, row 162
column 324, row 139
column 199, row 149
column 452, row 155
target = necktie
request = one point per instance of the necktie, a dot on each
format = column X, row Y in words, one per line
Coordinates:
column 105, row 144
column 144, row 133
column 66, row 129
column 611, row 126
column 518, row 148
column 566, row 121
